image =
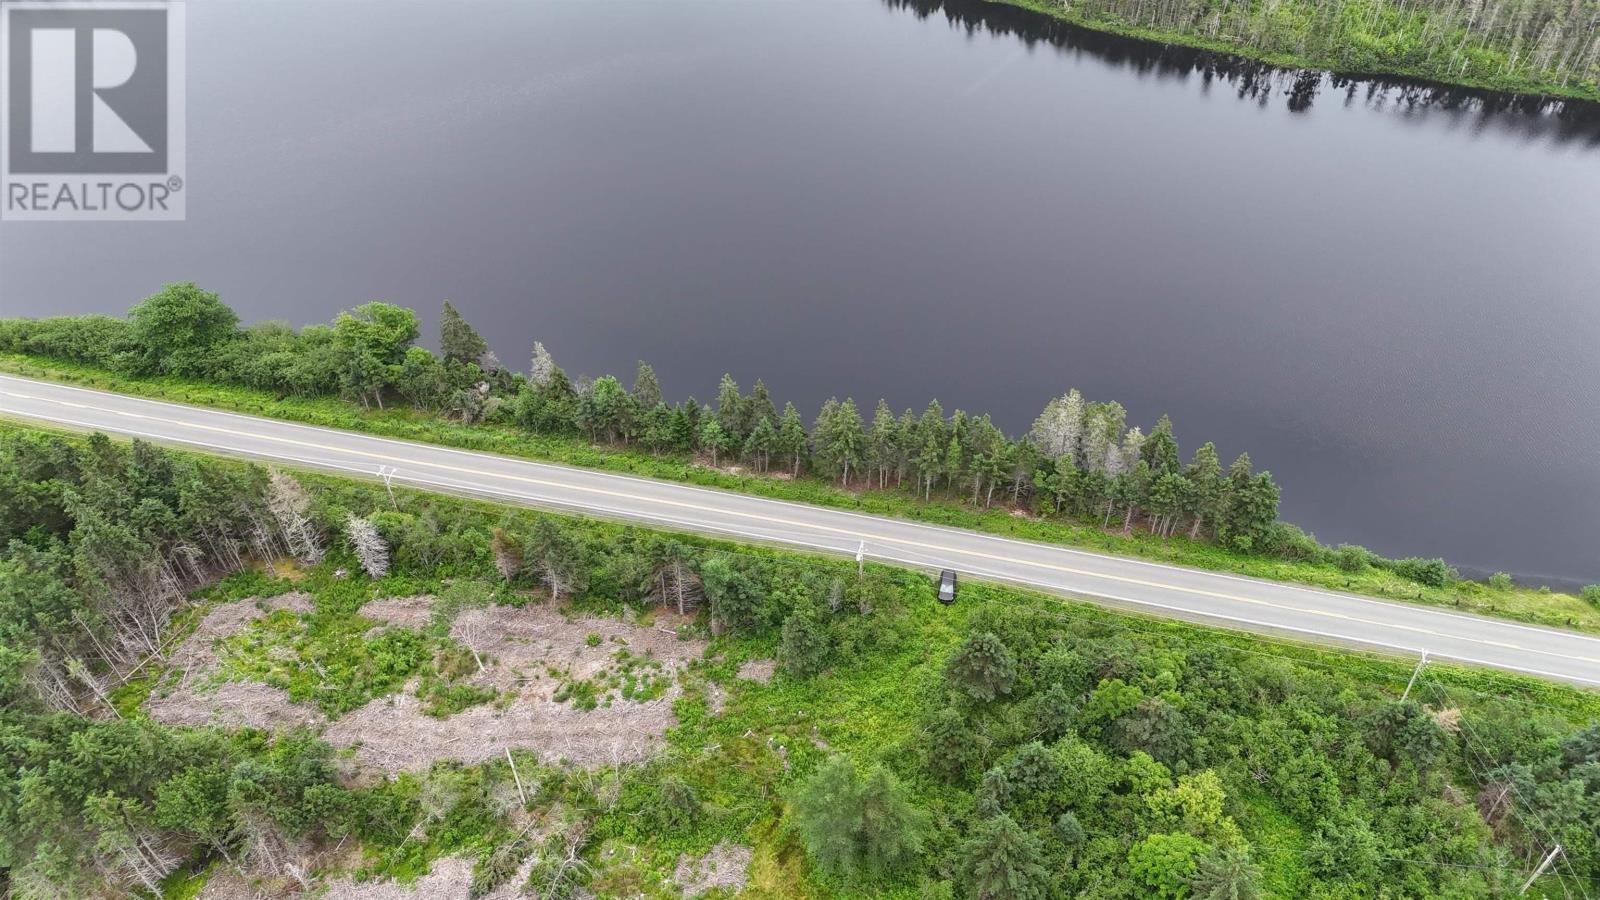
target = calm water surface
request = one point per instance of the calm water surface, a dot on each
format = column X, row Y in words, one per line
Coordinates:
column 1387, row 296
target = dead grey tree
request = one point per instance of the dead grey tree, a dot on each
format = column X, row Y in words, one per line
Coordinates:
column 371, row 551
column 290, row 506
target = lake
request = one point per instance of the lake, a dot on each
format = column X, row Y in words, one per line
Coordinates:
column 1384, row 292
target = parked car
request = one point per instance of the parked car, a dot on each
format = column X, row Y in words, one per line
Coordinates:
column 947, row 586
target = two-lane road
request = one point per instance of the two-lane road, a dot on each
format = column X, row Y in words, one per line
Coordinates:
column 1228, row 600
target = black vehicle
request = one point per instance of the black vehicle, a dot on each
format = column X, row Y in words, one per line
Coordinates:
column 947, row 586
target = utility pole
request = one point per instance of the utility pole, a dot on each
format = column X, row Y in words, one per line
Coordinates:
column 1414, row 673
column 861, row 559
column 387, row 474
column 1545, row 864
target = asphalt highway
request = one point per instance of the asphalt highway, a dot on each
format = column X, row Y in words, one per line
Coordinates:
column 1227, row 600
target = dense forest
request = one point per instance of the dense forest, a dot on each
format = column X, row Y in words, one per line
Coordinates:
column 1536, row 46
column 1080, row 462
column 1010, row 746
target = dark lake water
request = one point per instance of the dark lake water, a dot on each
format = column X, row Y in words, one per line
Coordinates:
column 1385, row 294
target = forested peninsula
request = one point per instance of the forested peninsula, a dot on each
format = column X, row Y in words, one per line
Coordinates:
column 1537, row 47
column 1081, row 475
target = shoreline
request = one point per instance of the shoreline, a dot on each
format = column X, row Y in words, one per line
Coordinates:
column 1511, row 90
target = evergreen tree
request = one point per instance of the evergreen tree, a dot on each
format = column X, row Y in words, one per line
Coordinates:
column 884, row 442
column 1168, row 494
column 792, row 438
column 761, row 443
column 804, row 647
column 1250, row 506
column 853, row 826
column 757, row 408
column 1226, row 874
column 605, row 408
column 1054, row 712
column 683, row 435
column 954, row 747
column 1206, row 488
column 988, row 458
column 954, row 464
column 1002, row 861
column 840, row 440
column 1062, row 483
column 646, row 389
column 458, row 342
column 930, row 463
column 655, row 431
column 1130, row 489
column 713, row 439
column 932, row 428
column 730, row 407
column 557, row 556
column 983, row 667
column 1160, row 449
column 735, row 598
column 906, row 436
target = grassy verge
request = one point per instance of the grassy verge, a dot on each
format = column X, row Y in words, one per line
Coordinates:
column 1514, row 85
column 1536, row 606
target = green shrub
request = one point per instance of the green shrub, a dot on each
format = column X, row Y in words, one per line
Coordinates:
column 804, row 648
column 1431, row 572
column 1352, row 558
column 442, row 699
column 1165, row 863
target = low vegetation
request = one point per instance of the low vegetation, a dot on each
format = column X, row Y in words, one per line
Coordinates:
column 1009, row 746
column 1081, row 476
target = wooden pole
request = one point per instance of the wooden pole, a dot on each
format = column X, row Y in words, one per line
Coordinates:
column 520, row 792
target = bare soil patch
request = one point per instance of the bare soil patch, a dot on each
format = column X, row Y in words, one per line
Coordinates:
column 450, row 878
column 405, row 612
column 725, row 865
column 188, row 694
column 234, row 704
column 758, row 670
column 226, row 884
column 529, row 654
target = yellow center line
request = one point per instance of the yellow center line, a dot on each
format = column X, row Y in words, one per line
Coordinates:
column 773, row 520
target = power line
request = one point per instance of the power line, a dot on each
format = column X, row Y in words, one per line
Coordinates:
column 1520, row 801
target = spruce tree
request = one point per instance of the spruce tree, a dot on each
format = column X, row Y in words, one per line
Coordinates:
column 646, row 389
column 458, row 341
column 1002, row 861
column 983, row 667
